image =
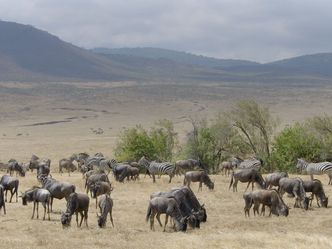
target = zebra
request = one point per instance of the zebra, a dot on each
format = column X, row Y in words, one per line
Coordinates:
column 158, row 168
column 315, row 168
column 251, row 163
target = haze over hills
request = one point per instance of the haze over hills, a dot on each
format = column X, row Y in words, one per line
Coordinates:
column 30, row 54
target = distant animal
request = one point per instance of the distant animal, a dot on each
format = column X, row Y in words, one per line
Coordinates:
column 316, row 189
column 37, row 195
column 272, row 179
column 294, row 187
column 251, row 163
column 156, row 168
column 227, row 166
column 35, row 162
column 67, row 164
column 76, row 203
column 315, row 168
column 100, row 188
column 268, row 198
column 182, row 166
column 57, row 189
column 120, row 170
column 168, row 206
column 198, row 176
column 2, row 199
column 10, row 183
column 246, row 175
column 133, row 173
column 105, row 204
column 13, row 165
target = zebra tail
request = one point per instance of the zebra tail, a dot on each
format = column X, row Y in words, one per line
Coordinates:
column 148, row 213
column 232, row 178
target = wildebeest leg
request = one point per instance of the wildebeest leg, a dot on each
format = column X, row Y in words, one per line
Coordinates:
column 86, row 218
column 256, row 208
column 11, row 195
column 48, row 209
column 16, row 193
column 311, row 177
column 33, row 212
column 158, row 219
column 82, row 216
column 51, row 204
column 37, row 210
column 200, row 186
column 248, row 185
column 154, row 178
column 263, row 210
column 44, row 205
column 152, row 220
column 111, row 217
column 235, row 185
column 312, row 197
column 166, row 220
column 170, row 178
column 76, row 213
column 96, row 201
column 6, row 195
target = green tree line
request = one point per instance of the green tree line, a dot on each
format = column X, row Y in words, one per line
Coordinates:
column 248, row 129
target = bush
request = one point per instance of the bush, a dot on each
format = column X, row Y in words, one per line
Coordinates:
column 292, row 143
column 156, row 144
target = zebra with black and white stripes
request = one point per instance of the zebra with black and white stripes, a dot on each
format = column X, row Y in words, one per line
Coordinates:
column 315, row 168
column 251, row 163
column 164, row 168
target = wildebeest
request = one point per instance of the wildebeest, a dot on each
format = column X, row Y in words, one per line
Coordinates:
column 272, row 179
column 198, row 176
column 67, row 164
column 100, row 188
column 182, row 166
column 247, row 175
column 13, row 165
column 316, row 189
column 35, row 162
column 42, row 170
column 93, row 179
column 57, row 189
column 105, row 204
column 37, row 195
column 294, row 187
column 268, row 198
column 10, row 183
column 168, row 206
column 185, row 205
column 76, row 203
column 2, row 199
column 227, row 166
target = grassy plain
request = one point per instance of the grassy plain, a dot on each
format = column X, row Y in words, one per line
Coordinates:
column 55, row 120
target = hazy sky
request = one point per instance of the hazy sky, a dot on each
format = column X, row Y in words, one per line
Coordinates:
column 261, row 30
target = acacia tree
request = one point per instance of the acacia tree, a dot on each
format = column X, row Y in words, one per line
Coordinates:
column 255, row 124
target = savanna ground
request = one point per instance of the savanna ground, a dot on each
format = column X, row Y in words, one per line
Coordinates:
column 55, row 120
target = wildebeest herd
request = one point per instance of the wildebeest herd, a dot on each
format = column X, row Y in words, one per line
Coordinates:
column 180, row 204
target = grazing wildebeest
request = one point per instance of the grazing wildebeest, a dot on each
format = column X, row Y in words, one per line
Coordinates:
column 93, row 179
column 36, row 195
column 316, row 189
column 294, row 187
column 57, row 189
column 168, row 206
column 273, row 179
column 185, row 206
column 10, row 183
column 268, row 198
column 189, row 164
column 35, row 162
column 100, row 188
column 198, row 176
column 247, row 175
column 105, row 204
column 67, row 164
column 155, row 168
column 2, row 199
column 13, row 165
column 76, row 203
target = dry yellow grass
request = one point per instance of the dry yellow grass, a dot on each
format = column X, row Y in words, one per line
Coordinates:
column 226, row 226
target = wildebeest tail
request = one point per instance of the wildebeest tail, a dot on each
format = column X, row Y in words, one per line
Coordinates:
column 232, row 178
column 148, row 213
